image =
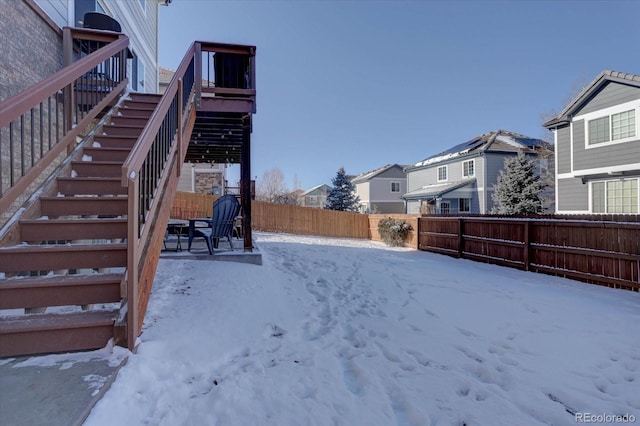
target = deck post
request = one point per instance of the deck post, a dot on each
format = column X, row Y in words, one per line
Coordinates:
column 245, row 182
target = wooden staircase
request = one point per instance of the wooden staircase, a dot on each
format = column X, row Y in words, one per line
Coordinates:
column 64, row 282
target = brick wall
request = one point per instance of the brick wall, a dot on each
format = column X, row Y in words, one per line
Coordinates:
column 205, row 181
column 31, row 49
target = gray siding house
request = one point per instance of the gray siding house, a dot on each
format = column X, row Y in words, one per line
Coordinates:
column 315, row 197
column 381, row 190
column 597, row 138
column 461, row 179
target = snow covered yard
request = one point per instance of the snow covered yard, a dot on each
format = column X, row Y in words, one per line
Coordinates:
column 348, row 332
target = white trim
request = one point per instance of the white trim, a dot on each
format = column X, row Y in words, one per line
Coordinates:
column 573, row 211
column 621, row 178
column 71, row 13
column 380, row 200
column 564, row 176
column 555, row 157
column 571, row 147
column 472, row 161
column 446, row 168
column 608, row 112
column 609, row 169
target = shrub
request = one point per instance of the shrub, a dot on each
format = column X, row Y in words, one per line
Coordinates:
column 393, row 231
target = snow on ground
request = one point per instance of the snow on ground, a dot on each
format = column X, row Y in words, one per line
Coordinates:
column 349, row 332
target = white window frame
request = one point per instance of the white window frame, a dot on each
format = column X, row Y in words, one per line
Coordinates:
column 465, row 171
column 606, row 198
column 397, row 184
column 627, row 106
column 446, row 173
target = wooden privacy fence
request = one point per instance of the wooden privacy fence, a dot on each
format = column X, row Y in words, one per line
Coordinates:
column 596, row 251
column 411, row 219
column 308, row 221
column 187, row 205
column 272, row 217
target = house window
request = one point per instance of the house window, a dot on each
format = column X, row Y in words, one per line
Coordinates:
column 464, row 205
column 468, row 168
column 615, row 196
column 137, row 73
column 442, row 173
column 612, row 127
column 395, row 186
column 445, row 207
column 140, row 74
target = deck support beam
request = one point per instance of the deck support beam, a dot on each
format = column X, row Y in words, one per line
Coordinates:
column 245, row 182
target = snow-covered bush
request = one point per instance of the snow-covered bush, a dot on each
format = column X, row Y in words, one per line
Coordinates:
column 393, row 231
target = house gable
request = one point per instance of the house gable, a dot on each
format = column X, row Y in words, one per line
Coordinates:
column 598, row 147
column 380, row 190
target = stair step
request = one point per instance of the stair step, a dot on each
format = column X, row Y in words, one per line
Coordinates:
column 84, row 206
column 69, row 229
column 107, row 141
column 129, row 120
column 91, row 186
column 50, row 333
column 54, row 257
column 59, row 290
column 97, row 168
column 144, row 97
column 139, row 105
column 135, row 112
column 107, row 153
column 122, row 130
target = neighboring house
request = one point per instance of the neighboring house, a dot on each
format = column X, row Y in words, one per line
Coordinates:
column 315, row 197
column 381, row 190
column 207, row 178
column 462, row 179
column 597, row 139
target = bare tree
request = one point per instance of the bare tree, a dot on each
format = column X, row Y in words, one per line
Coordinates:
column 546, row 153
column 271, row 187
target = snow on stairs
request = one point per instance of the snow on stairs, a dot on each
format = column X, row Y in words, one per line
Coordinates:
column 63, row 284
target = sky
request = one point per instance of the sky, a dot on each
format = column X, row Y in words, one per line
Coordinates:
column 322, row 335
column 362, row 84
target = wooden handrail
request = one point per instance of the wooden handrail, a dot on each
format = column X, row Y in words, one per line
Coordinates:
column 239, row 49
column 138, row 154
column 91, row 34
column 16, row 105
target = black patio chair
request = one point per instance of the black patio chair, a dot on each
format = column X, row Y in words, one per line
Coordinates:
column 219, row 225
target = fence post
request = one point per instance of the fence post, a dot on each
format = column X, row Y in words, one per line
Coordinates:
column 527, row 244
column 460, row 236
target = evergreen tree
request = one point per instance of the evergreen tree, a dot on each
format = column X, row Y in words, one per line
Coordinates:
column 342, row 195
column 519, row 187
